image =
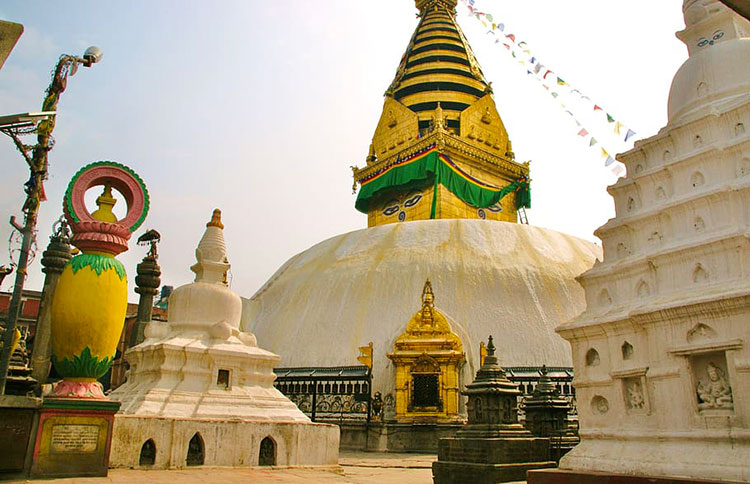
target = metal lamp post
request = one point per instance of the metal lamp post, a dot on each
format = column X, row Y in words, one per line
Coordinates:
column 36, row 157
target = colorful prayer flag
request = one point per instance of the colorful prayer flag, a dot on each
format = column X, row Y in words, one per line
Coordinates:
column 610, row 118
column 618, row 127
column 593, row 142
column 583, row 133
column 511, row 37
column 561, row 82
column 609, row 161
column 545, row 74
column 629, row 134
column 597, row 108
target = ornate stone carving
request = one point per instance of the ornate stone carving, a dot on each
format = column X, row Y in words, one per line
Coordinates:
column 714, row 391
column 634, row 397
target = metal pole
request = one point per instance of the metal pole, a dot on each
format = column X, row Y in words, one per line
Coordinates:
column 34, row 191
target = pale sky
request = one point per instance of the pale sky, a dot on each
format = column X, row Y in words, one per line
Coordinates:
column 259, row 108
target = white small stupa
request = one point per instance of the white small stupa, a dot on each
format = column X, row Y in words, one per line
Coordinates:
column 199, row 385
column 662, row 352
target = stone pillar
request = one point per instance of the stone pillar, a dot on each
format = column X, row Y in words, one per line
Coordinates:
column 53, row 260
column 147, row 286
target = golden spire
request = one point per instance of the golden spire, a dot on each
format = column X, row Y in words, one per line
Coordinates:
column 216, row 220
column 105, row 202
column 428, row 302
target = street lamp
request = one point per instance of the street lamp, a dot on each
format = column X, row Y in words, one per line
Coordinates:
column 36, row 157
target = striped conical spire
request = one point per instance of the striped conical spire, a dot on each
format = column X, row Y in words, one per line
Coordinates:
column 438, row 66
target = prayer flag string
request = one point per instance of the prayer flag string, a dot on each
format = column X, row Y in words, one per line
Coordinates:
column 552, row 83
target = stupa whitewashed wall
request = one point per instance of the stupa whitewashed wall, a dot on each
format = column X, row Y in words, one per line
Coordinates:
column 662, row 364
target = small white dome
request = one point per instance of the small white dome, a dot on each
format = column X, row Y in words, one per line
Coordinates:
column 512, row 281
column 714, row 75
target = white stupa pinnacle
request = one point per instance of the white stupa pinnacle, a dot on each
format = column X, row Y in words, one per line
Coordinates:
column 211, row 253
column 716, row 74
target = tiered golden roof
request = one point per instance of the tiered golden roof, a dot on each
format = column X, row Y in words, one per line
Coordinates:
column 439, row 97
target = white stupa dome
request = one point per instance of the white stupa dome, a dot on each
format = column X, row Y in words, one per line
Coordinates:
column 512, row 281
column 717, row 71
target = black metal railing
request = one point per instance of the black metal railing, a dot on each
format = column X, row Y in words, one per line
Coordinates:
column 527, row 378
column 328, row 393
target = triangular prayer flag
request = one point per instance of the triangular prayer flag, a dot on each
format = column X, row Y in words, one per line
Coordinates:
column 533, row 60
column 484, row 23
column 545, row 86
column 545, row 74
column 609, row 161
column 538, row 68
column 529, row 72
column 593, row 142
column 561, row 82
column 554, row 94
column 618, row 127
column 513, row 54
column 604, row 153
column 597, row 108
column 583, row 132
column 617, row 170
column 507, row 46
column 494, row 26
column 500, row 27
column 489, row 17
column 629, row 134
column 511, row 37
column 522, row 43
column 610, row 118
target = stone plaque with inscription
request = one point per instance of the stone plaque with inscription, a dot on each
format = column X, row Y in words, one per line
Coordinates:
column 74, row 438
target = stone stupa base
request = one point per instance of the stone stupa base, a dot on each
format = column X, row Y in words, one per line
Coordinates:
column 489, row 460
column 221, row 442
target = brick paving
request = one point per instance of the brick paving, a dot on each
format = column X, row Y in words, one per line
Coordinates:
column 353, row 468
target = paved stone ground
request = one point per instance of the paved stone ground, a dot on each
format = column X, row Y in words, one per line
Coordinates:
column 354, row 468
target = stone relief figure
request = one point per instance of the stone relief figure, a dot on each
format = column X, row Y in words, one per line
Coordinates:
column 714, row 392
column 635, row 396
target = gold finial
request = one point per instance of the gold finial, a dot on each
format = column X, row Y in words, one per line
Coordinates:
column 216, row 220
column 428, row 302
column 105, row 202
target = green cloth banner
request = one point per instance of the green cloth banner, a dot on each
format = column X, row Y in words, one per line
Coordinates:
column 433, row 167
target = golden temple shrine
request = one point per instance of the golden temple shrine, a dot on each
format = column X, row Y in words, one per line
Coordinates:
column 428, row 357
column 440, row 149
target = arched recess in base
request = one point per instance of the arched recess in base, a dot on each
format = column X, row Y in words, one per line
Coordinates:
column 148, row 453
column 267, row 454
column 196, row 451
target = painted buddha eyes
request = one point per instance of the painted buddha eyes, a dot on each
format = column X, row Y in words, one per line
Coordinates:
column 702, row 42
column 393, row 206
column 410, row 202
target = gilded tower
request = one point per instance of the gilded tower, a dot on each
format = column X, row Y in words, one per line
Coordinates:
column 440, row 149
